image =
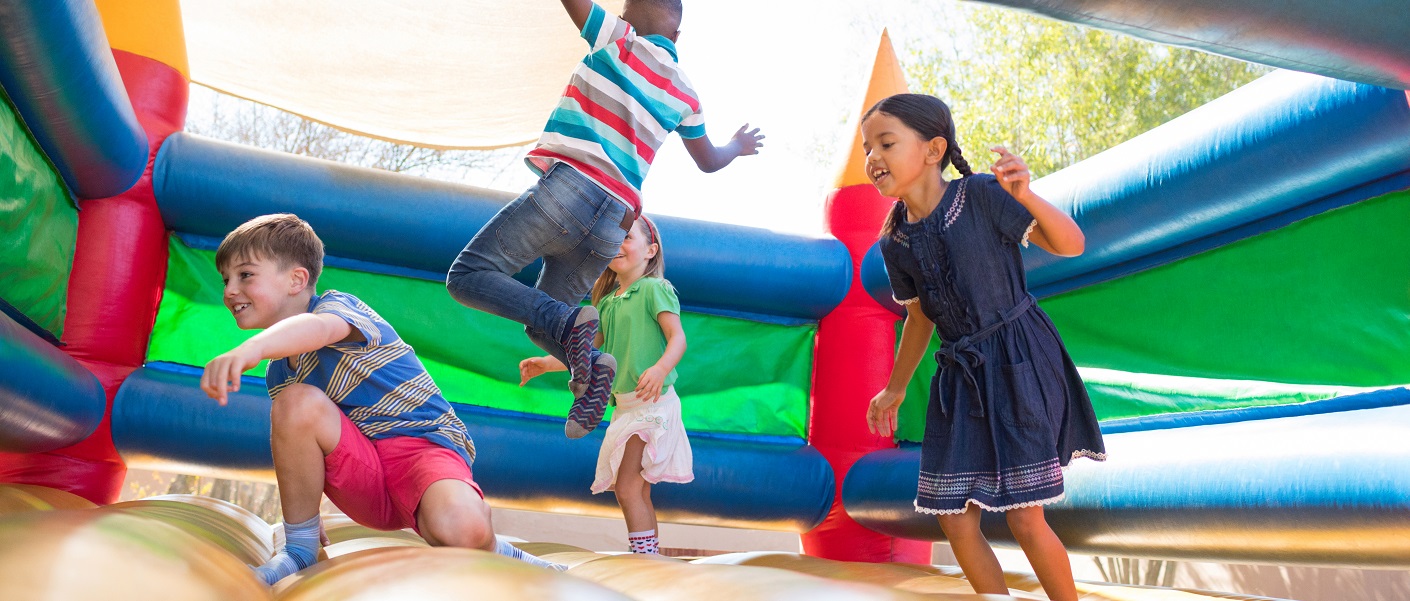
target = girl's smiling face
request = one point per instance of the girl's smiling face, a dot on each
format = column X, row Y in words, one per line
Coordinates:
column 897, row 158
column 636, row 250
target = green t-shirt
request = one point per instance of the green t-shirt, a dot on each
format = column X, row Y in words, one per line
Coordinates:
column 630, row 330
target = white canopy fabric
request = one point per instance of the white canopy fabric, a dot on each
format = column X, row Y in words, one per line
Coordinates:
column 474, row 74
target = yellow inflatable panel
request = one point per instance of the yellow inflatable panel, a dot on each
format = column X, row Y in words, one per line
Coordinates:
column 887, row 79
column 150, row 28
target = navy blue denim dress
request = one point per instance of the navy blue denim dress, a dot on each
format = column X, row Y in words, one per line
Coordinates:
column 1007, row 407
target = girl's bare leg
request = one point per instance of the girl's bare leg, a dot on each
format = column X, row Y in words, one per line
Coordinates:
column 973, row 552
column 1044, row 551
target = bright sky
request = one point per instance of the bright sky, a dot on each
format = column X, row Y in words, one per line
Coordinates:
column 794, row 68
column 797, row 70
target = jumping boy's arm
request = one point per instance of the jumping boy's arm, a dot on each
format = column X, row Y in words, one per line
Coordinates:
column 578, row 11
column 650, row 384
column 1056, row 232
column 915, row 337
column 711, row 158
column 290, row 337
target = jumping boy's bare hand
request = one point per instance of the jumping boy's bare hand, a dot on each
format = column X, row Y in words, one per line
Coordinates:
column 222, row 374
column 748, row 142
column 1011, row 171
column 881, row 413
column 648, row 386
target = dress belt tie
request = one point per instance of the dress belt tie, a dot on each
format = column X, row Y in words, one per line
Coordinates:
column 964, row 355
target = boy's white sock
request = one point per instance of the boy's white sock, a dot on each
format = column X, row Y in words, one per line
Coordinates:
column 503, row 547
column 300, row 551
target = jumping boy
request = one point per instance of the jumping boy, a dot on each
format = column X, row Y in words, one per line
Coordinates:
column 625, row 97
column 355, row 414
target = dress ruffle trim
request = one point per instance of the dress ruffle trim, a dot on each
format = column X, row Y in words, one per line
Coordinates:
column 968, row 502
column 909, row 301
column 1028, row 232
column 1093, row 455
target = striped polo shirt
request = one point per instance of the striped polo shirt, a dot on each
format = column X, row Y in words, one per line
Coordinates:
column 378, row 383
column 624, row 98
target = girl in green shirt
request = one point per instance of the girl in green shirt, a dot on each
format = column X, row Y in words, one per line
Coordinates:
column 646, row 442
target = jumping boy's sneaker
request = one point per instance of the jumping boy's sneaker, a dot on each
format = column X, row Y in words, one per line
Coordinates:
column 591, row 401
column 577, row 344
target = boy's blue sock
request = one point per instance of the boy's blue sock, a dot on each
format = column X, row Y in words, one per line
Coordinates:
column 300, row 551
column 503, row 547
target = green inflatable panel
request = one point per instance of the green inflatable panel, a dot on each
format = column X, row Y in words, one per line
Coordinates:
column 38, row 227
column 1309, row 311
column 738, row 376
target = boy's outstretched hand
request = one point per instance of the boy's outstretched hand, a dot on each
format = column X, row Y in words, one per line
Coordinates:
column 1011, row 171
column 222, row 375
column 747, row 142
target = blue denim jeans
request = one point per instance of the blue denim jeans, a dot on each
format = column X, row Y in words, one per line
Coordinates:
column 572, row 223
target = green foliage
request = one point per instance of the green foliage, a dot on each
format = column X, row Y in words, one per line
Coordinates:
column 1056, row 93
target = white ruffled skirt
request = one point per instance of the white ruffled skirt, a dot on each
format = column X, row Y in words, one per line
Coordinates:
column 667, row 456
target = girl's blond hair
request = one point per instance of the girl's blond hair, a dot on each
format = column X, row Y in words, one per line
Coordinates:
column 655, row 266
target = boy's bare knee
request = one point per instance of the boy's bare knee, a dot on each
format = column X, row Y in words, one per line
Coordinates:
column 458, row 529
column 451, row 514
column 301, row 406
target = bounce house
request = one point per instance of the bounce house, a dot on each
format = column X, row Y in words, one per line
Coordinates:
column 1241, row 317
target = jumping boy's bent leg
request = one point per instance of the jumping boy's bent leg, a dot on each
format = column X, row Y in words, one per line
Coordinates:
column 569, row 277
column 556, row 217
column 305, row 427
column 482, row 276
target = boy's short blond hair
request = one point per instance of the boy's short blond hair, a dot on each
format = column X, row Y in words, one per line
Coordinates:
column 281, row 237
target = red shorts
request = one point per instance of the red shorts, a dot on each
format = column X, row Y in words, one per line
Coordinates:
column 379, row 483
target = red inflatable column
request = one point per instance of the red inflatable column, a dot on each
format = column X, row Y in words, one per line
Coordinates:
column 855, row 350
column 120, row 259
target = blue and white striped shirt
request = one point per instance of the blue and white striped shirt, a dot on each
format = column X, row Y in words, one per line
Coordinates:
column 378, row 383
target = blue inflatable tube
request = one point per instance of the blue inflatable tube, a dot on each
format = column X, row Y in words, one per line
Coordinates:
column 1355, row 40
column 58, row 71
column 47, row 400
column 162, row 419
column 1283, row 148
column 207, row 188
column 1327, row 489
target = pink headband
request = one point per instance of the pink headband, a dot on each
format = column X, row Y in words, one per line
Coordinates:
column 650, row 231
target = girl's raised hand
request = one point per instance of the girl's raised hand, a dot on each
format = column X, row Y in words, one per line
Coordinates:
column 531, row 368
column 648, row 386
column 881, row 413
column 1011, row 171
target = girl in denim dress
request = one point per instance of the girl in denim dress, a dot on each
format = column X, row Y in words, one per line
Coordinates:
column 1007, row 408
